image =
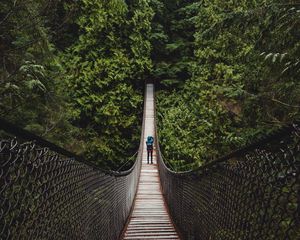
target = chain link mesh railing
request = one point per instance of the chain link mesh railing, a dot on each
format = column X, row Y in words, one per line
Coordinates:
column 253, row 193
column 47, row 193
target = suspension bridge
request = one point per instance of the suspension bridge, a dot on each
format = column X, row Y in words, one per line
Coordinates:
column 47, row 192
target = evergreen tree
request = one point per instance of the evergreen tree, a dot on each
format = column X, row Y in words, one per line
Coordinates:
column 105, row 71
column 244, row 80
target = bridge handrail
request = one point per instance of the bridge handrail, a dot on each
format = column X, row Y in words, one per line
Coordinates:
column 251, row 193
column 47, row 192
column 23, row 134
column 272, row 136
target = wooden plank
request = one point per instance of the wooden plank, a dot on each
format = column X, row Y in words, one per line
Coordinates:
column 150, row 237
column 150, row 218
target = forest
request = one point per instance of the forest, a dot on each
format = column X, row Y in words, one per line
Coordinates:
column 226, row 73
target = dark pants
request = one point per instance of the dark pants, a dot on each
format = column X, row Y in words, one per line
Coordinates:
column 150, row 155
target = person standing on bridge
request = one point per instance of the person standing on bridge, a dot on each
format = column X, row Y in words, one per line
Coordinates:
column 149, row 144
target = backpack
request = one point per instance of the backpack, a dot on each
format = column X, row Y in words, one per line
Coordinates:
column 149, row 142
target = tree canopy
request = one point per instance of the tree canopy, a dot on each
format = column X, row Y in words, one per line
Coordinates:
column 240, row 77
column 226, row 72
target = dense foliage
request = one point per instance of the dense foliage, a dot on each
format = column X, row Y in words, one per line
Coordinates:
column 29, row 69
column 73, row 72
column 106, row 67
column 244, row 76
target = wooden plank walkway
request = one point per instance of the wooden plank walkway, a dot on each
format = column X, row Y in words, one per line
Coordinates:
column 150, row 218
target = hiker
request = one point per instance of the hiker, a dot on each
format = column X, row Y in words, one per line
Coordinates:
column 149, row 144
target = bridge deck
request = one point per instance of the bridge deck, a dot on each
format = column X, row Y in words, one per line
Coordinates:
column 149, row 219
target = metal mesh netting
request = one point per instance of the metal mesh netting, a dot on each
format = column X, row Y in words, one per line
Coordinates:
column 45, row 195
column 253, row 193
column 54, row 194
